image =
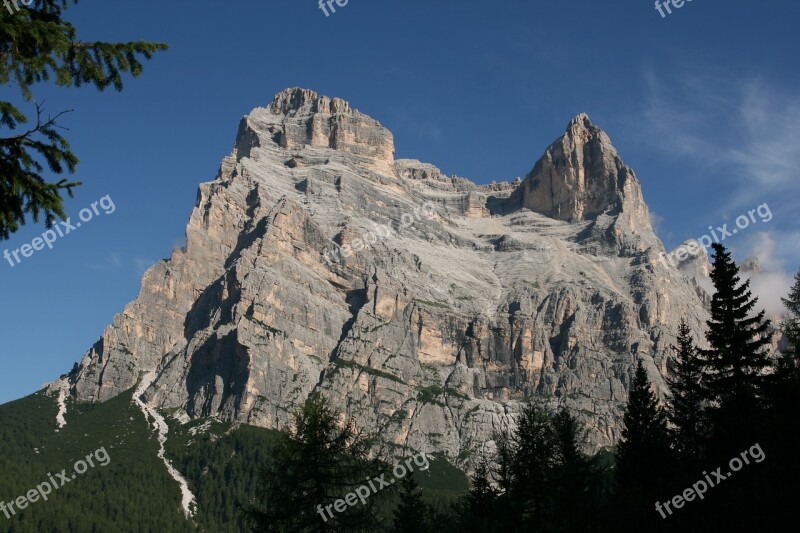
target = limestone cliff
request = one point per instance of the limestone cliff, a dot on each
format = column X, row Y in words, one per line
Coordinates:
column 426, row 306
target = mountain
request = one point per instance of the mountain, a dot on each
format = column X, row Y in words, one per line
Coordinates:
column 425, row 306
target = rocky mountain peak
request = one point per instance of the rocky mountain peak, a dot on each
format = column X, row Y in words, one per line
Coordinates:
column 305, row 101
column 426, row 306
column 581, row 122
column 751, row 265
column 328, row 128
column 580, row 177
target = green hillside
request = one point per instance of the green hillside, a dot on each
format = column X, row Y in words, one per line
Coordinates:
column 134, row 491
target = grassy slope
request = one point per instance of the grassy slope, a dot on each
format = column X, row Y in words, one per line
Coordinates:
column 134, row 492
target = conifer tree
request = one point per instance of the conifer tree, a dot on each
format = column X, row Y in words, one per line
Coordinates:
column 643, row 455
column 735, row 361
column 535, row 448
column 481, row 502
column 686, row 410
column 783, row 419
column 37, row 44
column 410, row 516
column 788, row 367
column 645, row 432
column 735, row 365
column 574, row 483
column 314, row 464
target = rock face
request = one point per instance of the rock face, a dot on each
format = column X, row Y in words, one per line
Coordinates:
column 580, row 177
column 425, row 306
column 696, row 266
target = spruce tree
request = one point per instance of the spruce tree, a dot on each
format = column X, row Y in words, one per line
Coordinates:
column 313, row 465
column 735, row 361
column 542, row 478
column 535, row 448
column 788, row 368
column 645, row 434
column 480, row 508
column 779, row 482
column 686, row 409
column 36, row 43
column 643, row 455
column 735, row 365
column 410, row 516
column 574, row 483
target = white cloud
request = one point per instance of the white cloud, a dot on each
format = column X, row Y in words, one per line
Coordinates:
column 773, row 282
column 656, row 221
column 743, row 136
column 141, row 265
column 745, row 133
column 112, row 260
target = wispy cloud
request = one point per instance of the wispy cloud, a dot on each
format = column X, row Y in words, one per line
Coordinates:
column 141, row 265
column 769, row 152
column 657, row 222
column 773, row 281
column 115, row 261
column 744, row 134
column 111, row 261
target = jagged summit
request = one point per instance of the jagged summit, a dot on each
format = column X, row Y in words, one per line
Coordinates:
column 580, row 177
column 329, row 128
column 426, row 306
column 580, row 120
column 297, row 99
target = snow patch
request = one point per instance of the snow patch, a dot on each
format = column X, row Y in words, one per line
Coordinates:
column 188, row 502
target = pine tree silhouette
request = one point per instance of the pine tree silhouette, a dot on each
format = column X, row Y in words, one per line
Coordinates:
column 778, row 482
column 643, row 456
column 313, row 465
column 735, row 364
column 480, row 508
column 788, row 367
column 410, row 516
column 686, row 409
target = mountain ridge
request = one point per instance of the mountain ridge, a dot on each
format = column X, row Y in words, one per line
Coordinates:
column 433, row 335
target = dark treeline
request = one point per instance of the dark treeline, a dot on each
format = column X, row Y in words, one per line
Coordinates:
column 720, row 454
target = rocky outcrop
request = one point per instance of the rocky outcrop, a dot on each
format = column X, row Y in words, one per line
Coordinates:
column 427, row 307
column 580, row 178
column 691, row 258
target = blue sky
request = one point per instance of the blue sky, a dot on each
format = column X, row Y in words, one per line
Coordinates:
column 703, row 104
